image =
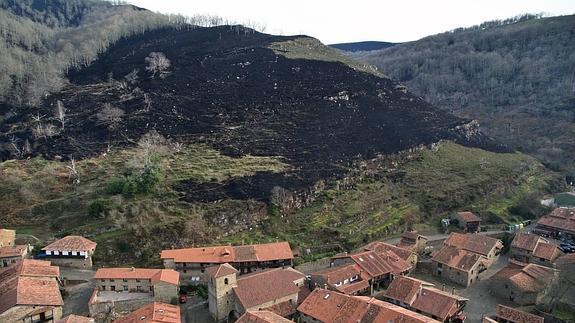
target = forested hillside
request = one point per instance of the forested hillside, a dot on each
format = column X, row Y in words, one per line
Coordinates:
column 517, row 77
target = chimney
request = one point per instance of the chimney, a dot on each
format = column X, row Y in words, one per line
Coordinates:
column 324, row 286
column 453, row 291
column 132, row 268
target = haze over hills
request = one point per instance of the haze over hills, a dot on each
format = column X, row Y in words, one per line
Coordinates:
column 516, row 77
column 176, row 135
column 363, row 46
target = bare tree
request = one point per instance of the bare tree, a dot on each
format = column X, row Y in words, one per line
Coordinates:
column 281, row 197
column 132, row 77
column 73, row 172
column 147, row 102
column 60, row 113
column 110, row 116
column 151, row 144
column 158, row 64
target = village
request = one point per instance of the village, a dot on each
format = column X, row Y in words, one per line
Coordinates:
column 466, row 275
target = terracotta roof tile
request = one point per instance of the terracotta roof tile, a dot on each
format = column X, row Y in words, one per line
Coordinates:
column 526, row 241
column 221, row 270
column 547, row 251
column 403, row 289
column 459, row 259
column 516, row 316
column 261, row 317
column 380, row 247
column 24, row 283
column 356, row 286
column 562, row 219
column 284, row 309
column 566, row 259
column 268, row 285
column 155, row 312
column 375, row 264
column 468, row 216
column 7, row 237
column 155, row 275
column 329, row 306
column 478, row 243
column 13, row 251
column 231, row 254
column 530, row 278
column 75, row 319
column 71, row 243
column 334, row 275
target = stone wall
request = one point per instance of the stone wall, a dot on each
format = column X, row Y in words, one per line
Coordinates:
column 131, row 285
column 105, row 312
column 81, row 263
column 18, row 313
column 165, row 292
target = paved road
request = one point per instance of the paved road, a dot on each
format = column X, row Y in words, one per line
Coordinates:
column 436, row 237
column 196, row 311
column 79, row 290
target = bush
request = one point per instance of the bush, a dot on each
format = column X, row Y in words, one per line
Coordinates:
column 116, row 185
column 130, row 187
column 99, row 207
column 131, row 184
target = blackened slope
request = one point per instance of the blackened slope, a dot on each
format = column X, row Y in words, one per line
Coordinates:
column 230, row 90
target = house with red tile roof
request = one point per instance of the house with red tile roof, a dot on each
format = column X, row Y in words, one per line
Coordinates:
column 70, row 251
column 524, row 284
column 468, row 221
column 192, row 262
column 382, row 247
column 512, row 315
column 413, row 241
column 422, row 297
column 11, row 254
column 458, row 265
column 7, row 237
column 375, row 267
column 30, row 291
column 129, row 288
column 559, row 223
column 72, row 318
column 155, row 312
column 328, row 306
column 262, row 317
column 531, row 248
column 346, row 279
column 231, row 295
column 480, row 244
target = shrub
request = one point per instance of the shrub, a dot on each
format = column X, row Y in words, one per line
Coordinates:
column 130, row 187
column 116, row 185
column 99, row 207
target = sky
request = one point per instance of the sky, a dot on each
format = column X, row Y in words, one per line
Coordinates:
column 337, row 21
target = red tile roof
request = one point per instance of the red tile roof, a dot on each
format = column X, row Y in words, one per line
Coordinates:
column 380, row 247
column 265, row 286
column 455, row 258
column 338, row 274
column 221, row 270
column 155, row 275
column 329, row 306
column 29, row 282
column 284, row 309
column 376, row 264
column 261, row 317
column 356, row 286
column 529, row 278
column 7, row 237
column 561, row 219
column 75, row 319
column 71, row 243
column 13, row 251
column 231, row 254
column 421, row 296
column 547, row 251
column 468, row 217
column 566, row 259
column 516, row 316
column 526, row 241
column 536, row 245
column 155, row 312
column 478, row 243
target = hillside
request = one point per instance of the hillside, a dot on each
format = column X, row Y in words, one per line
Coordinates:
column 515, row 77
column 362, row 46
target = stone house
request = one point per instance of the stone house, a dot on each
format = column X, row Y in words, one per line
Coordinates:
column 468, row 221
column 121, row 290
column 523, row 284
column 382, row 247
column 71, row 251
column 506, row 314
column 559, row 223
column 413, row 241
column 7, row 237
column 377, row 268
column 531, row 248
column 11, row 254
column 193, row 262
column 231, row 295
column 262, row 317
column 458, row 265
column 30, row 292
column 421, row 297
column 328, row 306
column 346, row 279
column 155, row 312
column 480, row 244
column 72, row 318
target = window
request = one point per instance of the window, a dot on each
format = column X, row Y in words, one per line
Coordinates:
column 103, row 287
column 472, row 272
column 225, row 281
column 103, row 280
column 113, row 288
column 137, row 280
column 111, row 280
column 139, row 289
column 126, row 288
column 541, row 259
column 439, row 265
column 125, row 280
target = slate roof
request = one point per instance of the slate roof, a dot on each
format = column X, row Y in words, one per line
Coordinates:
column 29, row 282
column 155, row 275
column 478, row 243
column 516, row 316
column 267, row 285
column 528, row 278
column 71, row 243
column 155, row 312
column 231, row 254
column 329, row 306
column 459, row 259
column 261, row 317
column 221, row 270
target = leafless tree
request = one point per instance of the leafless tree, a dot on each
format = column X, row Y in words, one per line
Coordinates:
column 27, row 147
column 147, row 102
column 73, row 172
column 281, row 197
column 38, row 117
column 151, row 144
column 60, row 113
column 132, row 77
column 41, row 130
column 158, row 64
column 110, row 116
